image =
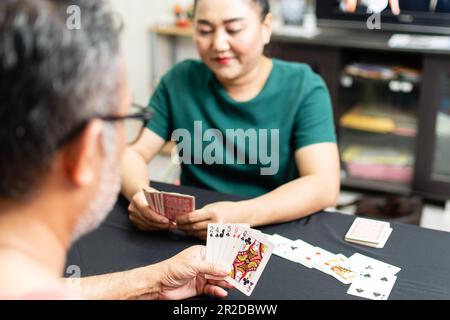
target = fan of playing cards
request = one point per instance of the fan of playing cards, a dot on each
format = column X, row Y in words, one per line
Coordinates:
column 170, row 205
column 246, row 251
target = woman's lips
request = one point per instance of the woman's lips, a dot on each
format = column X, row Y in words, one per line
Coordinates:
column 223, row 61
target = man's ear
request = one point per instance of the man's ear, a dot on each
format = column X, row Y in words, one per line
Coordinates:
column 267, row 28
column 84, row 154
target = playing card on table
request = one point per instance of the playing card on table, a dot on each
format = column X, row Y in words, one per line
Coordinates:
column 375, row 287
column 319, row 257
column 250, row 261
column 296, row 251
column 361, row 263
column 339, row 268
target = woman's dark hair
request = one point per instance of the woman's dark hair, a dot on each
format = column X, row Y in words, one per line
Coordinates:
column 263, row 4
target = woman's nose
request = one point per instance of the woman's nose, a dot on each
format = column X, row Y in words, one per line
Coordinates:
column 221, row 41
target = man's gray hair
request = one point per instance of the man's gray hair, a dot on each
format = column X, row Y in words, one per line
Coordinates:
column 52, row 79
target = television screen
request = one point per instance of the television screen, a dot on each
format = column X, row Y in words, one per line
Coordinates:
column 427, row 16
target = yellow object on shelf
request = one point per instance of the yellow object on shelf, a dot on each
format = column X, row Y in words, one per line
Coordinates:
column 377, row 155
column 367, row 123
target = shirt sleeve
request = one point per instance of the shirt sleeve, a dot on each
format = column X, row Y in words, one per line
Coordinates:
column 314, row 122
column 160, row 105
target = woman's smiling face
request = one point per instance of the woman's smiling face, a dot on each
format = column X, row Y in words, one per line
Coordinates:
column 230, row 36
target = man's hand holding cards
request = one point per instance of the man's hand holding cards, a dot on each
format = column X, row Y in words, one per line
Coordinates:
column 243, row 250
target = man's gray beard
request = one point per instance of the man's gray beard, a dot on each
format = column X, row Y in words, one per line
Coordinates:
column 109, row 188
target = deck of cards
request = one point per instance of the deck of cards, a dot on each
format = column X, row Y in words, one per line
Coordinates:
column 244, row 250
column 170, row 205
column 369, row 278
column 369, row 232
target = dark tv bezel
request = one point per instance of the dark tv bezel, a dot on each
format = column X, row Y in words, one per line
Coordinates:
column 326, row 17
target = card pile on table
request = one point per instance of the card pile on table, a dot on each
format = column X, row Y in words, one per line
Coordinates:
column 369, row 232
column 369, row 278
column 246, row 251
column 168, row 204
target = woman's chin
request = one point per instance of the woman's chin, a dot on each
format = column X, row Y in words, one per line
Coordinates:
column 226, row 74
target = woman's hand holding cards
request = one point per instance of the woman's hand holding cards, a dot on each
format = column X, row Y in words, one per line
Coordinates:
column 144, row 218
column 196, row 223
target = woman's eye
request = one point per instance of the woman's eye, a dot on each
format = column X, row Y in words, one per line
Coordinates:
column 234, row 31
column 204, row 32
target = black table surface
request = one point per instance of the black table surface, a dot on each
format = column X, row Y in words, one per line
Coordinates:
column 422, row 254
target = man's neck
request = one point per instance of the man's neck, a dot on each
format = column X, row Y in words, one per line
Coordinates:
column 249, row 85
column 28, row 230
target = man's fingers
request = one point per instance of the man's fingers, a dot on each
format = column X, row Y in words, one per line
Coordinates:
column 221, row 283
column 212, row 269
column 215, row 291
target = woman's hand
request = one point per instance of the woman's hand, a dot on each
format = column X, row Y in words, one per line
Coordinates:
column 144, row 218
column 183, row 276
column 196, row 222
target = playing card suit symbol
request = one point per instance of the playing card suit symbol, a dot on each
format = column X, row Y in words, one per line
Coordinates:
column 377, row 294
column 369, row 268
column 246, row 281
column 359, row 290
column 384, row 279
column 294, row 248
column 367, row 275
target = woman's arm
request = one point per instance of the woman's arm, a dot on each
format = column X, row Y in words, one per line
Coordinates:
column 135, row 162
column 316, row 189
column 135, row 178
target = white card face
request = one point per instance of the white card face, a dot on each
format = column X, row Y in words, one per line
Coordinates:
column 250, row 261
column 377, row 287
column 235, row 242
column 366, row 264
column 319, row 256
column 209, row 243
column 305, row 253
column 297, row 251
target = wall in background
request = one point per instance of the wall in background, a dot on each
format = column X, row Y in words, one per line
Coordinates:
column 138, row 17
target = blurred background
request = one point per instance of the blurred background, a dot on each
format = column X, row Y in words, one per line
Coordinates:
column 389, row 79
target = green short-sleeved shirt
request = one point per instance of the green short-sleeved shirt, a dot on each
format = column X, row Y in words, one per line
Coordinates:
column 251, row 149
